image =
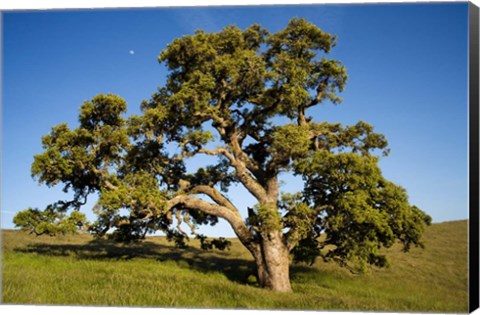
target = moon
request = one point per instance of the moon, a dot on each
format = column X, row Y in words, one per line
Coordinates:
column 131, row 52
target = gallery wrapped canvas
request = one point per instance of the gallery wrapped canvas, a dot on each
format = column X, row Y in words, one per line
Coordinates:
column 319, row 157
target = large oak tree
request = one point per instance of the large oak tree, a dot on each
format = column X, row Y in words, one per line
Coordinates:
column 240, row 98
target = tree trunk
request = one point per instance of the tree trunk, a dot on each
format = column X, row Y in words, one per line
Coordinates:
column 272, row 259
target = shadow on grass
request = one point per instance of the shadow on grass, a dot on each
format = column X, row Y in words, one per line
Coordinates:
column 235, row 269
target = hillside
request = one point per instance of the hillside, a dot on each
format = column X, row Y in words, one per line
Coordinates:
column 78, row 270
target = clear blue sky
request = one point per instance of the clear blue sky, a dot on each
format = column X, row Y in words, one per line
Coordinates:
column 407, row 66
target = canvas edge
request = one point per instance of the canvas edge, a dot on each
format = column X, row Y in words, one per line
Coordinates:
column 474, row 221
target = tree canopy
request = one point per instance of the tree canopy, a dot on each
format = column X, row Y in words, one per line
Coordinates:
column 239, row 97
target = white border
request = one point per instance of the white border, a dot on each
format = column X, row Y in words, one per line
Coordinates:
column 78, row 4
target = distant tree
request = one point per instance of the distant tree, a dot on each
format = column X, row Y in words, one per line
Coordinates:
column 240, row 97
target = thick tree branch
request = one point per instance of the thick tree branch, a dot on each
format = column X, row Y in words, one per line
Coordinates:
column 317, row 98
column 239, row 161
column 110, row 186
column 215, row 195
column 218, row 151
column 250, row 182
column 237, row 150
column 244, row 166
column 231, row 135
column 198, row 204
column 233, row 218
column 301, row 120
column 272, row 188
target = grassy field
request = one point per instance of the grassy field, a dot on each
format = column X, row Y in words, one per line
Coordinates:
column 77, row 270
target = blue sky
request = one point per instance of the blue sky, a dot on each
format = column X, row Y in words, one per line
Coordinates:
column 407, row 67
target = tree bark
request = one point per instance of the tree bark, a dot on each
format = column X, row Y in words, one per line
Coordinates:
column 273, row 261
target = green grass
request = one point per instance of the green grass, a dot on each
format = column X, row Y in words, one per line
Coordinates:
column 77, row 270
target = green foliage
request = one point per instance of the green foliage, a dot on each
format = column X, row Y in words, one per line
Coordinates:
column 361, row 211
column 359, row 138
column 307, row 250
column 295, row 69
column 299, row 217
column 81, row 158
column 266, row 219
column 220, row 243
column 196, row 140
column 291, row 141
column 49, row 221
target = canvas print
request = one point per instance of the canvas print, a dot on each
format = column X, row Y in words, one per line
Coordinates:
column 285, row 157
